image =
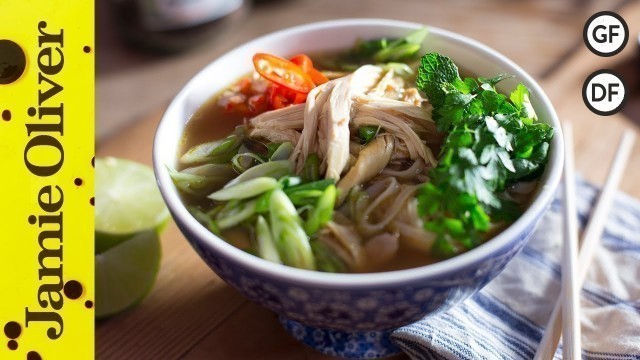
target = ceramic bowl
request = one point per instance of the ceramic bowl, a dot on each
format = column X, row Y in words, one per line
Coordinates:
column 351, row 315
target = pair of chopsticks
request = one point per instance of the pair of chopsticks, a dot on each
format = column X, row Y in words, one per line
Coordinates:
column 574, row 266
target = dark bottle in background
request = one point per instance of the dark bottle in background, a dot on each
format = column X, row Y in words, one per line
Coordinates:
column 171, row 25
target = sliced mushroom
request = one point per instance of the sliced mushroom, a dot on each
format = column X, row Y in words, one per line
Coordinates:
column 370, row 162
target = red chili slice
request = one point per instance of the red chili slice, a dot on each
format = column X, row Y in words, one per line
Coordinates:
column 283, row 72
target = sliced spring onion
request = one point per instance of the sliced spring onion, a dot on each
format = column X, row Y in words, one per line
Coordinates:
column 400, row 69
column 245, row 190
column 243, row 161
column 205, row 219
column 266, row 247
column 201, row 180
column 323, row 211
column 307, row 194
column 305, row 197
column 290, row 181
column 272, row 169
column 290, row 238
column 216, row 152
column 311, row 168
column 314, row 185
column 402, row 48
column 271, row 148
column 282, row 152
column 262, row 206
column 236, row 214
column 327, row 260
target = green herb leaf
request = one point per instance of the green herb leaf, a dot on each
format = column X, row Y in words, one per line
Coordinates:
column 434, row 72
column 367, row 133
column 491, row 141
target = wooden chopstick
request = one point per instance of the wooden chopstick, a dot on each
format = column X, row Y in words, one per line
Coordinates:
column 570, row 293
column 590, row 240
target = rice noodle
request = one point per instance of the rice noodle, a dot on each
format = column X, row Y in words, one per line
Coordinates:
column 411, row 227
column 398, row 202
column 290, row 117
column 345, row 240
column 415, row 237
column 418, row 167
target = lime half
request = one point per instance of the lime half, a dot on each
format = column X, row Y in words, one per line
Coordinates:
column 127, row 201
column 125, row 273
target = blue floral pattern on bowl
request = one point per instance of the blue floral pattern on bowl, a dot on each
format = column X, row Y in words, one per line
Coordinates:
column 349, row 317
column 346, row 344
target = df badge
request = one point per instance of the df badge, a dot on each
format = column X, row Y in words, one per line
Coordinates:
column 604, row 92
column 46, row 182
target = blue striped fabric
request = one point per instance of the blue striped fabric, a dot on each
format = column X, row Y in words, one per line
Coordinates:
column 506, row 319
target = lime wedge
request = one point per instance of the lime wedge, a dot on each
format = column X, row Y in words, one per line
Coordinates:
column 127, row 201
column 125, row 273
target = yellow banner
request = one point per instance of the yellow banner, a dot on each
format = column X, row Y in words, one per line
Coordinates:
column 46, row 179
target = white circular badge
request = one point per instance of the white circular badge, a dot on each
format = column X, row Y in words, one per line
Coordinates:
column 606, row 33
column 604, row 93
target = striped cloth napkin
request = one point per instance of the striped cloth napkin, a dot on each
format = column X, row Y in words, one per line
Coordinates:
column 506, row 319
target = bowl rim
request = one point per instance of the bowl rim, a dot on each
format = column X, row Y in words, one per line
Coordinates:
column 361, row 280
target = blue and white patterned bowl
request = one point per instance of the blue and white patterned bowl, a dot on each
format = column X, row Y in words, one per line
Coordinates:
column 350, row 315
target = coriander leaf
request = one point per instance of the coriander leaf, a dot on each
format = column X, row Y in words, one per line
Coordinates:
column 453, row 110
column 520, row 99
column 517, row 96
column 527, row 168
column 491, row 141
column 499, row 133
column 494, row 80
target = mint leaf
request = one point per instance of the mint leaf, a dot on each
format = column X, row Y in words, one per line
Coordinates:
column 434, row 72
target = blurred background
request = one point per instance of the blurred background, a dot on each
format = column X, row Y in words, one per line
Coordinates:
column 142, row 63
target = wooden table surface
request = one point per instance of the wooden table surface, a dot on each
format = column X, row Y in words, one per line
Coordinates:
column 192, row 314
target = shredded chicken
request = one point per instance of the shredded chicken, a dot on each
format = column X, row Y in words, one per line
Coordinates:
column 323, row 125
column 399, row 127
column 334, row 131
column 290, row 117
column 279, row 136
